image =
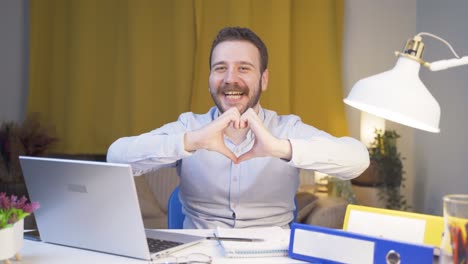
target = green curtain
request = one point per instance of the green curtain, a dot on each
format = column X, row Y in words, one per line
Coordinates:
column 103, row 69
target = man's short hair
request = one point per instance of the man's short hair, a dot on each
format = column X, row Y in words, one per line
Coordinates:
column 245, row 34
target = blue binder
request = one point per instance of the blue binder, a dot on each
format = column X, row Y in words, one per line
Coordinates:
column 325, row 245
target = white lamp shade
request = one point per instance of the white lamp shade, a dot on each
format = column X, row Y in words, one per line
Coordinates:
column 398, row 95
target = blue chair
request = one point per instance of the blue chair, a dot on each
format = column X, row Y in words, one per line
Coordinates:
column 295, row 211
column 175, row 217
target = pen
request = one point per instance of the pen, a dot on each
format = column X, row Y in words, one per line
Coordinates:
column 239, row 239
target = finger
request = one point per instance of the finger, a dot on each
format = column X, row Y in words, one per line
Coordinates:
column 252, row 120
column 237, row 124
column 233, row 124
column 234, row 116
column 228, row 154
column 250, row 116
column 243, row 124
column 244, row 121
column 246, row 156
column 227, row 118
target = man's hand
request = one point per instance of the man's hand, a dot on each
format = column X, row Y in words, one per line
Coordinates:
column 265, row 145
column 211, row 137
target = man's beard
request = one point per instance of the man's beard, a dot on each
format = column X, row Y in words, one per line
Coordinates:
column 251, row 103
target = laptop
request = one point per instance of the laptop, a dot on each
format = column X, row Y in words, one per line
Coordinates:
column 94, row 205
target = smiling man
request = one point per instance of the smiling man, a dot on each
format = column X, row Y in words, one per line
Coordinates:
column 239, row 163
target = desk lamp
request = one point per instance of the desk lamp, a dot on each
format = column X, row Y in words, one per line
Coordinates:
column 399, row 94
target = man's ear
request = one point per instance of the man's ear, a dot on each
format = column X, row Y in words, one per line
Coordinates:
column 264, row 80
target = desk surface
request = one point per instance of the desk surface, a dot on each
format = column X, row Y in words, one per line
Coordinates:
column 42, row 253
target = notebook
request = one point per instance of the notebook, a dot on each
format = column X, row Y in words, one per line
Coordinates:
column 275, row 244
column 93, row 205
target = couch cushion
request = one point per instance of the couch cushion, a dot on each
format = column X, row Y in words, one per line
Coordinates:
column 328, row 212
column 306, row 202
column 153, row 216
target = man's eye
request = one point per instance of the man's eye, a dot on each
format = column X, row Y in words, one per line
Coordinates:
column 242, row 68
column 220, row 68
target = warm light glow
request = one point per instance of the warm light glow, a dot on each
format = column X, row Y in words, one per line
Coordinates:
column 321, row 182
column 321, row 178
column 369, row 123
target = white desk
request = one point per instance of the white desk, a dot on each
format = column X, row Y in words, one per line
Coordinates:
column 44, row 253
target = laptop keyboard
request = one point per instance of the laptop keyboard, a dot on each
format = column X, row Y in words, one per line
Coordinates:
column 156, row 245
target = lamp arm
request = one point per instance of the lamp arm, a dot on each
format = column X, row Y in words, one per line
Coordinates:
column 445, row 64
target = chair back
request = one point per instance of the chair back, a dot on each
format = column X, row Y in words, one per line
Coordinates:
column 295, row 211
column 175, row 217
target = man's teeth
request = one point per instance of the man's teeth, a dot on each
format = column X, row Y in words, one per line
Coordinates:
column 233, row 93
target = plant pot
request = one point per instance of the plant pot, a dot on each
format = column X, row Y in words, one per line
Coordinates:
column 11, row 239
column 370, row 177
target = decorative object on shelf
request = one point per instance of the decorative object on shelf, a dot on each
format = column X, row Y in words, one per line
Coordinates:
column 454, row 245
column 321, row 181
column 12, row 214
column 385, row 170
column 399, row 94
column 341, row 188
column 30, row 138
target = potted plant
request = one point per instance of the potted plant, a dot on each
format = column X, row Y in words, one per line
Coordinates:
column 29, row 138
column 341, row 188
column 12, row 213
column 385, row 170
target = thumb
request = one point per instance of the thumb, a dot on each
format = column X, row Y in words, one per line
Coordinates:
column 228, row 154
column 246, row 156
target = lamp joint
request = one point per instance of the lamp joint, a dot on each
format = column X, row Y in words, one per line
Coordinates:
column 414, row 49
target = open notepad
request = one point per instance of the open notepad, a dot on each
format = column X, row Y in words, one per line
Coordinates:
column 276, row 242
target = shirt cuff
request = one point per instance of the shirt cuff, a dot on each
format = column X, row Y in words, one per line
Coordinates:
column 180, row 146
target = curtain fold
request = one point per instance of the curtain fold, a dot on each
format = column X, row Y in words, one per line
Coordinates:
column 103, row 69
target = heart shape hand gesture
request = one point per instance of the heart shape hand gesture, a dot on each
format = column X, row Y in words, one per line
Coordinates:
column 211, row 137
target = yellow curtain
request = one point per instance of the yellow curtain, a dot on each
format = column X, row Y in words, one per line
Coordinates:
column 103, row 69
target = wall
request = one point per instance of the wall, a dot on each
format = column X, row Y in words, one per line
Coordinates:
column 14, row 56
column 441, row 163
column 373, row 31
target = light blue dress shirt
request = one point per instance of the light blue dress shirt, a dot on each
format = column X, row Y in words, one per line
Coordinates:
column 258, row 192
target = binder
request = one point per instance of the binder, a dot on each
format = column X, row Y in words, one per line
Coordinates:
column 396, row 225
column 325, row 245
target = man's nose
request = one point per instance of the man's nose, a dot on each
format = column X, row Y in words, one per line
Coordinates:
column 231, row 76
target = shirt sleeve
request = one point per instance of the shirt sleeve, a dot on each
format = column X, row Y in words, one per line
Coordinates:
column 161, row 147
column 342, row 157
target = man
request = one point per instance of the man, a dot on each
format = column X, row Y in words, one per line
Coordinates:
column 239, row 163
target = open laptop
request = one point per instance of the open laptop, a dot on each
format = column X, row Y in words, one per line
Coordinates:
column 93, row 205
